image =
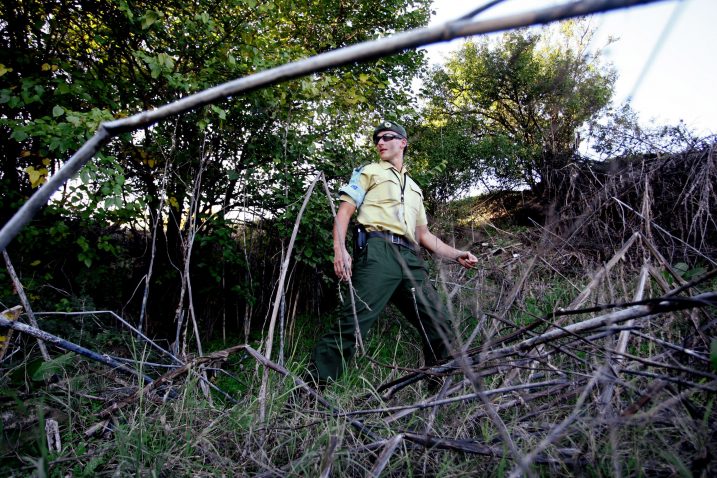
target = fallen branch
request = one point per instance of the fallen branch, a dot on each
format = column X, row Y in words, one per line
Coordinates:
column 66, row 345
column 605, row 401
column 566, row 455
column 446, row 401
column 652, row 307
column 646, row 308
column 222, row 355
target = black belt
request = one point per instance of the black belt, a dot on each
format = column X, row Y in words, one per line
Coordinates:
column 394, row 239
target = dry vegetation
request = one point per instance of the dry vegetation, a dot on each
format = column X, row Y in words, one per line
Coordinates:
column 587, row 347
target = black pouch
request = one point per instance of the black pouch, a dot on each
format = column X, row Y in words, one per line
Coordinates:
column 360, row 238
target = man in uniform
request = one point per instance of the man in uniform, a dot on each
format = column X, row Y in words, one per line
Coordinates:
column 388, row 268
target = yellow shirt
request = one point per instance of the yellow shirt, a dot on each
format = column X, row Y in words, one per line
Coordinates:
column 381, row 209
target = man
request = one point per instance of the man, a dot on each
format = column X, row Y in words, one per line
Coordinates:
column 390, row 207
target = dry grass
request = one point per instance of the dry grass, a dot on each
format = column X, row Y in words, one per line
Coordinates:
column 532, row 390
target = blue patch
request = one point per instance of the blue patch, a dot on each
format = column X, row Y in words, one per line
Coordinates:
column 353, row 189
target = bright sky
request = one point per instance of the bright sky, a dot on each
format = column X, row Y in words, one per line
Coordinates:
column 680, row 81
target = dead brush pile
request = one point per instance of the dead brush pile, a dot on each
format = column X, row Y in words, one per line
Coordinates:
column 672, row 198
column 585, row 347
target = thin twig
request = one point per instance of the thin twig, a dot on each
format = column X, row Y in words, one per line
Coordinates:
column 279, row 296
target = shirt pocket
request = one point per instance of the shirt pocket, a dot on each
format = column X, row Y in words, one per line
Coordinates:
column 385, row 190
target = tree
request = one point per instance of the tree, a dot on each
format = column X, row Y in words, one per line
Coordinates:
column 66, row 66
column 518, row 102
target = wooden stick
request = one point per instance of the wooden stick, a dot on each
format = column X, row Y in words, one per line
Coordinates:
column 385, row 455
column 25, row 303
column 327, row 459
column 352, row 294
column 445, row 401
column 597, row 278
column 637, row 311
column 604, row 402
column 478, row 448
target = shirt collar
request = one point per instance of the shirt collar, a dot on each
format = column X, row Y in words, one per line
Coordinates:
column 386, row 165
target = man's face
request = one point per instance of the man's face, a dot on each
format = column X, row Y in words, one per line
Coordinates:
column 390, row 145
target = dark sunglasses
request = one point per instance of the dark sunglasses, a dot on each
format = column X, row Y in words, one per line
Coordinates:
column 386, row 138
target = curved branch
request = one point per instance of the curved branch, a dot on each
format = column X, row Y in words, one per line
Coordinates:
column 361, row 52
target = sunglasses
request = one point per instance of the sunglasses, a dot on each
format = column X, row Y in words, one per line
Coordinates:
column 386, row 138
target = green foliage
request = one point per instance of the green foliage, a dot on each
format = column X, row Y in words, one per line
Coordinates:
column 54, row 366
column 512, row 108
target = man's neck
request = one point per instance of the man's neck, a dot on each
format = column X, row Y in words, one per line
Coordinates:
column 396, row 162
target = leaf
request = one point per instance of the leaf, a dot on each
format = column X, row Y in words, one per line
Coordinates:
column 681, row 268
column 150, row 18
column 4, row 69
column 18, row 135
column 165, row 60
column 713, row 354
column 85, row 176
column 695, row 272
column 219, row 111
column 56, row 365
column 57, row 111
column 37, row 176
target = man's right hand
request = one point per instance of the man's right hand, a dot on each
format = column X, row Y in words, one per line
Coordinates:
column 342, row 264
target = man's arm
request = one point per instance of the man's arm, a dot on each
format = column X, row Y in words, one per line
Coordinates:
column 342, row 258
column 441, row 249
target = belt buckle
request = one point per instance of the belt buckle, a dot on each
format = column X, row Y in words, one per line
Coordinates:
column 395, row 239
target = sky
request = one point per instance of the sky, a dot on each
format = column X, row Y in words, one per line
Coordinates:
column 678, row 84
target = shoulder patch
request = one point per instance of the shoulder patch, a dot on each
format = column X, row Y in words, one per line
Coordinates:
column 353, row 189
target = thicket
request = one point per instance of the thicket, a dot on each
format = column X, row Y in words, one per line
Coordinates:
column 181, row 230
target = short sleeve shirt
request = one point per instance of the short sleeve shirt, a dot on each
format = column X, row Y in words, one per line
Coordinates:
column 381, row 209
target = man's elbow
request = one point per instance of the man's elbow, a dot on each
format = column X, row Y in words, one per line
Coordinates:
column 424, row 240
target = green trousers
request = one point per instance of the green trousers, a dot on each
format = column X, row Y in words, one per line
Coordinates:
column 384, row 272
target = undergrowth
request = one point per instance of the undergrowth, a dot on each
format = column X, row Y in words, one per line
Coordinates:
column 572, row 405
